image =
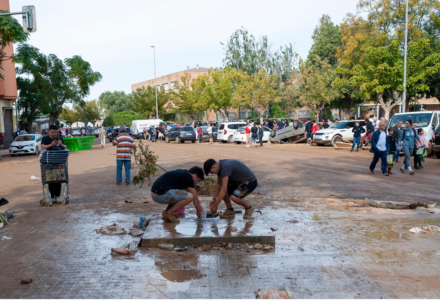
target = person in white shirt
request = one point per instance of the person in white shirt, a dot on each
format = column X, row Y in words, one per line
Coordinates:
column 102, row 136
column 209, row 130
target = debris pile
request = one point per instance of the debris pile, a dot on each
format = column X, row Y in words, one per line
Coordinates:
column 5, row 217
column 274, row 293
column 125, row 250
column 430, row 229
column 111, row 229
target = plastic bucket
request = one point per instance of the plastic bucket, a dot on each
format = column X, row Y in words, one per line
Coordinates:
column 180, row 211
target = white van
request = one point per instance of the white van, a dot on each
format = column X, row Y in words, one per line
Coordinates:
column 226, row 131
column 137, row 126
column 427, row 120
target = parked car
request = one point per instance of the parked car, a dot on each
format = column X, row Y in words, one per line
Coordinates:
column 76, row 132
column 240, row 135
column 427, row 120
column 341, row 130
column 26, row 144
column 181, row 134
column 226, row 131
column 115, row 132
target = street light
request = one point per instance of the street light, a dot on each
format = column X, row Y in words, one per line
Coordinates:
column 404, row 60
column 155, row 82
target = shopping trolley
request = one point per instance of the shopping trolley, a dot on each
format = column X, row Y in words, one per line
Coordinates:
column 54, row 169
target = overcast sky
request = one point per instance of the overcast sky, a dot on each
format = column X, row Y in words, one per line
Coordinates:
column 115, row 35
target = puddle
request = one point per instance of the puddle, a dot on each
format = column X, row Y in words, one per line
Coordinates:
column 181, row 275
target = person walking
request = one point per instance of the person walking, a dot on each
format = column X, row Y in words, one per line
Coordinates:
column 315, row 128
column 261, row 134
column 393, row 148
column 144, row 133
column 407, row 143
column 153, row 134
column 357, row 131
column 200, row 133
column 309, row 127
column 124, row 145
column 380, row 146
column 370, row 130
column 270, row 124
column 254, row 137
column 102, row 136
column 397, row 130
column 209, row 131
column 248, row 132
column 421, row 145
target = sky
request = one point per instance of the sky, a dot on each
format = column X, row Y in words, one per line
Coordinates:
column 115, row 35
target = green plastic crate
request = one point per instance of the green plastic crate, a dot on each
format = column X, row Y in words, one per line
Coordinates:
column 79, row 143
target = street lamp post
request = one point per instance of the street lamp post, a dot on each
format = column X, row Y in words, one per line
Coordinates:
column 404, row 60
column 155, row 81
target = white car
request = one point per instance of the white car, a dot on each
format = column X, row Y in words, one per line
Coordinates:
column 240, row 135
column 26, row 144
column 76, row 132
column 226, row 131
column 341, row 130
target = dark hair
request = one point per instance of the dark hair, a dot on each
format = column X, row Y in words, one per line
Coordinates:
column 419, row 130
column 197, row 171
column 313, row 121
column 409, row 121
column 53, row 127
column 390, row 129
column 208, row 165
column 367, row 120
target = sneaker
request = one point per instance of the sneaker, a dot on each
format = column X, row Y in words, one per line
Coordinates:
column 248, row 213
column 389, row 171
column 357, row 150
column 385, row 174
column 228, row 214
column 127, row 183
column 371, row 171
column 57, row 200
column 118, row 183
column 411, row 172
column 402, row 170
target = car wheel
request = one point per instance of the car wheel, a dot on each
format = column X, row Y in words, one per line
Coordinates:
column 336, row 139
column 167, row 140
column 193, row 142
column 177, row 139
column 295, row 124
column 430, row 150
column 320, row 144
column 223, row 141
column 230, row 139
column 37, row 151
column 437, row 154
column 273, row 133
column 238, row 143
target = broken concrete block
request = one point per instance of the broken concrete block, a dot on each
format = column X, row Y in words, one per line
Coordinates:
column 166, row 246
column 258, row 246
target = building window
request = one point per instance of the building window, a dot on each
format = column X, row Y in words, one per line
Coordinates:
column 165, row 86
column 174, row 85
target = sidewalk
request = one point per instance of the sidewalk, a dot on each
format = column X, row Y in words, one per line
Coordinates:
column 4, row 152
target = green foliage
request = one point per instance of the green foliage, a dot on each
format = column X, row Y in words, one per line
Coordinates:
column 144, row 101
column 116, row 101
column 108, row 121
column 145, row 163
column 244, row 53
column 70, row 116
column 188, row 99
column 87, row 111
column 326, row 40
column 11, row 31
column 126, row 117
column 277, row 112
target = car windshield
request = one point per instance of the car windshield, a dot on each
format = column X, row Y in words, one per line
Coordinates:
column 186, row 129
column 420, row 120
column 339, row 125
column 23, row 138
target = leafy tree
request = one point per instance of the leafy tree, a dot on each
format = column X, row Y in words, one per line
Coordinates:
column 188, row 100
column 11, row 31
column 70, row 116
column 108, row 121
column 117, row 101
column 315, row 85
column 326, row 40
column 277, row 112
column 244, row 53
column 144, row 101
column 126, row 117
column 257, row 91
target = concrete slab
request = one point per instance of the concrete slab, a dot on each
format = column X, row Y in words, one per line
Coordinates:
column 193, row 231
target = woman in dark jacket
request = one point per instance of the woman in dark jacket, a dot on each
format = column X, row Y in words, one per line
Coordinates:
column 260, row 134
column 357, row 131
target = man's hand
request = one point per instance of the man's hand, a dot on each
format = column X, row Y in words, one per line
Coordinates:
column 54, row 143
column 213, row 207
column 199, row 209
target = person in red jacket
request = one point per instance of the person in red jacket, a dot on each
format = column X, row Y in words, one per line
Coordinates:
column 248, row 132
column 315, row 128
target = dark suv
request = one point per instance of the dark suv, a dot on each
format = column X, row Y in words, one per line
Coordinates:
column 181, row 134
column 115, row 132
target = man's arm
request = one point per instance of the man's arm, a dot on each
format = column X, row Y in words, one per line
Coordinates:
column 196, row 201
column 221, row 194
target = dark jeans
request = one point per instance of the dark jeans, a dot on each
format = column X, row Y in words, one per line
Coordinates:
column 200, row 138
column 356, row 141
column 417, row 161
column 261, row 140
column 54, row 189
column 396, row 155
column 380, row 155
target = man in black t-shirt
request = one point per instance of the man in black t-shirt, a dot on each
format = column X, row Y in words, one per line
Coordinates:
column 177, row 189
column 235, row 181
column 53, row 142
column 309, row 126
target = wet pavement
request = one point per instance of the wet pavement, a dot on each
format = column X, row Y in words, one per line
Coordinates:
column 325, row 247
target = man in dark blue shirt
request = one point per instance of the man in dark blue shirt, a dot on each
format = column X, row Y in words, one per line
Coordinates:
column 280, row 125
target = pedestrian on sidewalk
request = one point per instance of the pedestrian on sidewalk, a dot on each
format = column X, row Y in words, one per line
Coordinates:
column 407, row 143
column 102, row 136
column 380, row 146
column 176, row 189
column 254, row 136
column 248, row 132
column 261, row 134
column 234, row 182
column 393, row 148
column 421, row 145
column 357, row 131
column 53, row 142
column 125, row 144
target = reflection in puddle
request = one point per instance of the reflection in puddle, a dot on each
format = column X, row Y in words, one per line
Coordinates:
column 181, row 275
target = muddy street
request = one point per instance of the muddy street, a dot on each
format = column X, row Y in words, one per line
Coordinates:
column 326, row 247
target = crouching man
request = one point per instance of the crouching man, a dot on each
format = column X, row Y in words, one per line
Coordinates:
column 177, row 189
column 235, row 181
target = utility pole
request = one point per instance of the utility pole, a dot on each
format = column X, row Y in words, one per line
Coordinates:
column 155, row 80
column 29, row 18
column 404, row 60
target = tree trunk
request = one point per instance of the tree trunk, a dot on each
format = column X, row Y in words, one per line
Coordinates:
column 387, row 107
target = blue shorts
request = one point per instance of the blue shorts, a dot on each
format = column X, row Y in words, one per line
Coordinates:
column 172, row 196
column 309, row 135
